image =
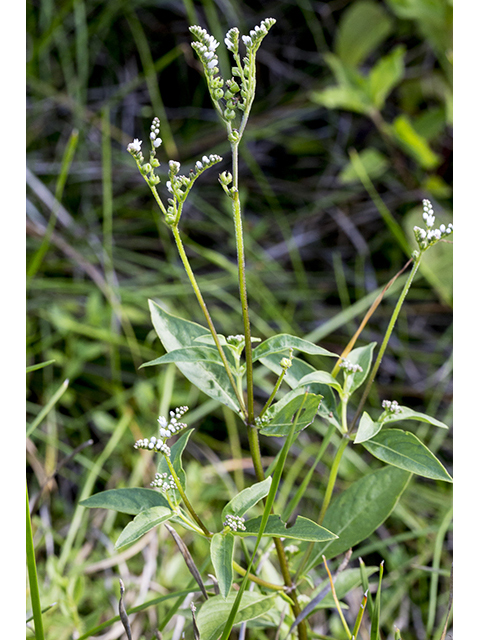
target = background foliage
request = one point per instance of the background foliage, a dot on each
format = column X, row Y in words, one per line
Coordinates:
column 350, row 129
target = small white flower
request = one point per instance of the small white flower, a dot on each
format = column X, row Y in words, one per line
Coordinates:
column 157, row 142
column 199, row 165
column 135, row 146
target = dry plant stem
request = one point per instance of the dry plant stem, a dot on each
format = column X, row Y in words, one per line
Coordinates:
column 201, row 301
column 334, row 593
column 386, row 339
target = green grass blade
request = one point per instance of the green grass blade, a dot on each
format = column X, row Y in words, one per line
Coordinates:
column 56, row 396
column 32, row 577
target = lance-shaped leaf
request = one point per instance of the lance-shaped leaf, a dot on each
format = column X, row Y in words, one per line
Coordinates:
column 283, row 342
column 367, row 428
column 359, row 510
column 176, row 452
column 210, row 377
column 406, row 413
column 299, row 369
column 187, row 354
column 247, row 498
column 130, row 501
column 142, row 524
column 302, row 529
column 192, row 567
column 283, row 412
column 404, row 450
column 221, row 552
column 215, row 611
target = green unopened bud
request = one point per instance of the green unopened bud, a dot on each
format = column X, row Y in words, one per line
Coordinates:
column 285, row 363
column 233, row 86
column 146, row 168
column 218, row 94
column 225, row 178
column 229, row 114
column 234, row 137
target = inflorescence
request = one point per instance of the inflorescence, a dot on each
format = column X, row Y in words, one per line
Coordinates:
column 349, row 367
column 164, row 482
column 167, row 429
column 391, row 406
column 429, row 236
column 235, row 523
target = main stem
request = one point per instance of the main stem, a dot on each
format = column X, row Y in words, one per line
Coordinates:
column 250, row 418
column 242, row 281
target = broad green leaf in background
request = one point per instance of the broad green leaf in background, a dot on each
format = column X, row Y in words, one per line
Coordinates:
column 385, row 76
column 362, row 28
column 347, row 97
column 413, row 143
column 302, row 529
column 221, row 553
column 363, row 357
column 367, row 428
column 359, row 510
column 247, row 498
column 187, row 354
column 176, row 457
column 283, row 342
column 130, row 501
column 214, row 612
column 209, row 377
column 282, row 413
column 374, row 163
column 142, row 523
column 437, row 264
column 404, row 450
column 328, row 407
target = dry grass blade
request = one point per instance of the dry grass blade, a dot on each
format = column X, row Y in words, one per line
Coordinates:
column 188, row 558
column 449, row 608
column 196, row 632
column 123, row 613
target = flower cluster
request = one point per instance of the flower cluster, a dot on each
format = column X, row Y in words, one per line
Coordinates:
column 154, row 131
column 253, row 41
column 147, row 169
column 235, row 523
column 205, row 48
column 391, row 406
column 349, row 367
column 167, row 429
column 164, row 483
column 154, row 444
column 429, row 236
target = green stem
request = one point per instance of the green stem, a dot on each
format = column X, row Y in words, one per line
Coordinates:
column 201, row 301
column 253, row 578
column 273, row 394
column 33, row 580
column 186, row 501
column 386, row 339
column 242, row 281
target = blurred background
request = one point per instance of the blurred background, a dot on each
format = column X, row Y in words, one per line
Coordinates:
column 350, row 129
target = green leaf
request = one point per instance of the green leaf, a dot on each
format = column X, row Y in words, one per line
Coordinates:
column 321, row 377
column 282, row 413
column 283, row 342
column 130, row 501
column 187, row 354
column 328, row 407
column 374, row 162
column 359, row 510
column 385, row 76
column 247, row 498
column 343, row 97
column 214, row 612
column 40, row 365
column 363, row 357
column 176, row 457
column 367, row 428
column 142, row 524
column 405, row 451
column 221, row 552
column 302, row 529
column 409, row 414
column 210, row 377
column 363, row 27
column 413, row 143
